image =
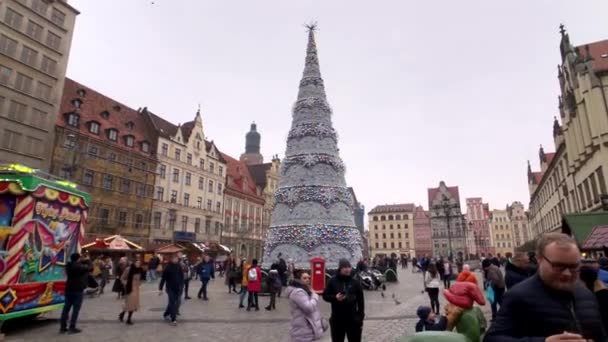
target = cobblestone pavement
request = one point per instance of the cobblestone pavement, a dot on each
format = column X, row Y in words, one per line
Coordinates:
column 219, row 319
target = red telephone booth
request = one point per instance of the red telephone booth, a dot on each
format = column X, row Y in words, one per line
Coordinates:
column 317, row 274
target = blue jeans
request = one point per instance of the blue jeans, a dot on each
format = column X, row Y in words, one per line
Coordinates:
column 173, row 305
column 73, row 300
column 151, row 275
column 242, row 295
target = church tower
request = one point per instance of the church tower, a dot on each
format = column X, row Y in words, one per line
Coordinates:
column 252, row 155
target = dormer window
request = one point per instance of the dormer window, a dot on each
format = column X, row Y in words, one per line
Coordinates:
column 129, row 140
column 81, row 92
column 113, row 134
column 105, row 114
column 94, row 127
column 76, row 103
column 145, row 146
column 116, row 108
column 73, row 119
column 130, row 125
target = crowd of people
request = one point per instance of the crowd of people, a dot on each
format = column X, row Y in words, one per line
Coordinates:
column 551, row 295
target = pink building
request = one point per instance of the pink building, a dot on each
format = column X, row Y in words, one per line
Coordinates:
column 422, row 232
column 478, row 220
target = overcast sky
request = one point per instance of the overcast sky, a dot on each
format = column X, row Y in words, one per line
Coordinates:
column 422, row 91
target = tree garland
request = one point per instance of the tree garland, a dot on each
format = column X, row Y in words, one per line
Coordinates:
column 311, row 103
column 316, row 129
column 310, row 160
column 325, row 195
column 311, row 236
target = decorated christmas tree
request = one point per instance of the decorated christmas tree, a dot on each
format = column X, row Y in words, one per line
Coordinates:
column 313, row 212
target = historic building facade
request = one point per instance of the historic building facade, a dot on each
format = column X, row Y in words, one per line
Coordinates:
column 190, row 183
column 519, row 223
column 107, row 148
column 478, row 224
column 447, row 222
column 573, row 178
column 35, row 41
column 392, row 229
column 243, row 208
column 502, row 232
column 422, row 232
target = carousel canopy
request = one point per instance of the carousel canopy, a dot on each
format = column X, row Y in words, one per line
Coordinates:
column 114, row 242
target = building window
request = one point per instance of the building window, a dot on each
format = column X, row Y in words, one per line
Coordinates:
column 140, row 190
column 173, row 196
column 392, row 245
column 392, row 235
column 53, row 40
column 189, row 158
column 40, row 6
column 219, row 188
column 113, row 134
column 384, row 235
column 145, row 147
column 390, row 226
column 201, row 164
column 23, row 83
column 43, row 91
column 199, row 202
column 172, row 219
column 162, row 171
column 73, row 119
column 105, row 114
column 93, row 151
column 210, row 188
column 8, row 46
column 122, row 218
column 16, row 111
column 377, row 245
column 209, row 204
column 5, row 74
column 184, row 223
column 13, row 19
column 139, row 221
column 397, row 217
column 88, row 177
column 207, row 226
column 175, row 175
column 201, row 183
column 112, row 157
column 57, row 17
column 188, row 178
column 104, row 215
column 108, row 181
column 130, row 125
column 218, row 207
column 211, row 167
column 125, row 185
column 178, row 154
column 600, row 179
column 34, row 30
column 398, row 235
column 129, row 140
column 384, row 245
column 197, row 224
column 157, row 219
column 186, row 199
column 220, row 169
column 160, row 193
column 94, row 127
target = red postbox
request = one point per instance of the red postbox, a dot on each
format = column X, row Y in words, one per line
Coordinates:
column 317, row 274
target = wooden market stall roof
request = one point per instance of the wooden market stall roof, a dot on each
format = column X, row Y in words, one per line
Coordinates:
column 581, row 225
column 598, row 239
column 114, row 242
column 169, row 249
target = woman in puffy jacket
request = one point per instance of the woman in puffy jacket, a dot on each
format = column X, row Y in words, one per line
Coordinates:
column 306, row 321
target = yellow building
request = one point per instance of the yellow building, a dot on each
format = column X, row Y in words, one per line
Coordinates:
column 391, row 229
column 501, row 230
column 35, row 40
column 572, row 179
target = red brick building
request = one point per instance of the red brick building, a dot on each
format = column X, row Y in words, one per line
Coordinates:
column 478, row 220
column 422, row 232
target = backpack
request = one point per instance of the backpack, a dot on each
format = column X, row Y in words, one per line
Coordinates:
column 252, row 274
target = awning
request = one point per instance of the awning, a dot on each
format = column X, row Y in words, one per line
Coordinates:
column 580, row 226
column 201, row 246
column 226, row 249
column 598, row 239
column 114, row 242
column 169, row 249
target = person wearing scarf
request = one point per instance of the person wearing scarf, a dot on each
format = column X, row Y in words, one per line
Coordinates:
column 306, row 322
column 131, row 279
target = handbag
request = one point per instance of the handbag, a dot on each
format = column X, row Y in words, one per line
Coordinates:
column 490, row 294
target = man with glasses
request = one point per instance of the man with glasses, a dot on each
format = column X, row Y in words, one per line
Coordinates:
column 551, row 305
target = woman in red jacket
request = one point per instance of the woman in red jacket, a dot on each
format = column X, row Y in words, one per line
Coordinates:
column 254, row 285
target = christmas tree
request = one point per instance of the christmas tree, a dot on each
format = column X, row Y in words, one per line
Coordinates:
column 313, row 212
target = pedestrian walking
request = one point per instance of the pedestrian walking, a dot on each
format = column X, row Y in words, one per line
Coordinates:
column 231, row 274
column 496, row 281
column 553, row 305
column 517, row 270
column 77, row 271
column 244, row 269
column 187, row 270
column 152, row 266
column 431, row 286
column 118, row 288
column 173, row 276
column 106, row 268
column 205, row 272
column 131, row 279
column 254, row 285
column 447, row 273
column 347, row 304
column 306, row 321
column 274, row 286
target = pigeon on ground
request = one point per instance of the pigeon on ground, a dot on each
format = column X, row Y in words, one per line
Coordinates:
column 382, row 294
column 397, row 302
column 393, row 296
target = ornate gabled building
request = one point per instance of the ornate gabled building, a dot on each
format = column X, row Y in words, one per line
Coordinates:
column 190, row 182
column 243, row 211
column 573, row 178
column 108, row 149
column 447, row 222
column 478, row 221
column 519, row 223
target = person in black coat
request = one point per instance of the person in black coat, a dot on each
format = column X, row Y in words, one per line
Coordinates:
column 77, row 271
column 517, row 269
column 552, row 305
column 347, row 304
column 173, row 276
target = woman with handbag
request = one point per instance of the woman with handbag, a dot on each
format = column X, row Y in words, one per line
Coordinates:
column 131, row 279
column 306, row 322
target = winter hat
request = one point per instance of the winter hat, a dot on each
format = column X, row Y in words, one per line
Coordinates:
column 423, row 312
column 463, row 294
column 343, row 263
column 486, row 263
